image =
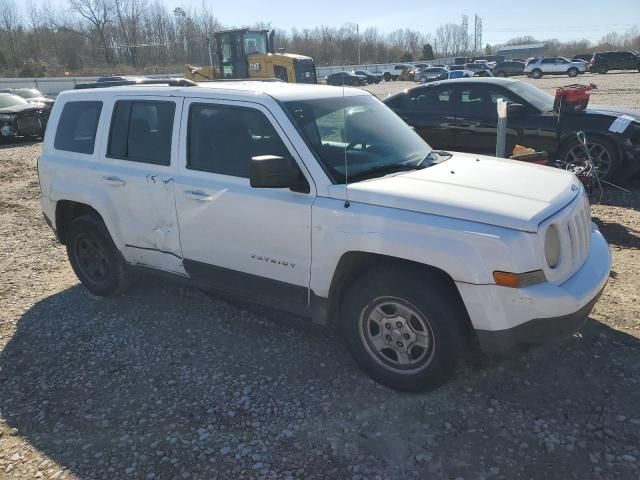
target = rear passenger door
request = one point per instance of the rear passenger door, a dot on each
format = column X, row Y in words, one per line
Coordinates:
column 136, row 170
column 252, row 243
column 429, row 110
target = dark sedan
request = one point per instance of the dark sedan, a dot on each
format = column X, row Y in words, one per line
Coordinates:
column 508, row 69
column 370, row 76
column 19, row 118
column 346, row 78
column 461, row 115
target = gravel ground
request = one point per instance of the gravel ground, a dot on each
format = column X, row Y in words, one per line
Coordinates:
column 617, row 88
column 166, row 382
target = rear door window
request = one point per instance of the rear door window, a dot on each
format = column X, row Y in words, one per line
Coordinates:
column 430, row 99
column 77, row 127
column 481, row 102
column 141, row 131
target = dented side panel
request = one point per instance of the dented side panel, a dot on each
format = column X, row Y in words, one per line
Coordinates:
column 144, row 196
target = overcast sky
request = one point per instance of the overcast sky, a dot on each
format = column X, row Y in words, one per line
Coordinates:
column 562, row 19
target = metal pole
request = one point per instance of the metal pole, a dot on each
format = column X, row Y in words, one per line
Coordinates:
column 358, row 33
column 502, row 127
column 210, row 56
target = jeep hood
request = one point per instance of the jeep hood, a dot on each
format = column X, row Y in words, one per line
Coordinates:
column 501, row 192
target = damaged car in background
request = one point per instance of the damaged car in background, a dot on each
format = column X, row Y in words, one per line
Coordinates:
column 31, row 95
column 19, row 118
column 461, row 115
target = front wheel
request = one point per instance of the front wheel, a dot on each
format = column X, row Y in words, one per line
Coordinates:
column 501, row 74
column 404, row 328
column 537, row 73
column 603, row 153
column 94, row 257
column 603, row 69
column 572, row 72
column 387, row 76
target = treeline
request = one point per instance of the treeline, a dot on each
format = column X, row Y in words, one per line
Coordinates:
column 144, row 36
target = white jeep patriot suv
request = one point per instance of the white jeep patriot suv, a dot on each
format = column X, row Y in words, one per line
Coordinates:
column 322, row 202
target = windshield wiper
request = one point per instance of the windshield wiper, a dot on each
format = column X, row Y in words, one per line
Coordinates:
column 434, row 157
column 384, row 170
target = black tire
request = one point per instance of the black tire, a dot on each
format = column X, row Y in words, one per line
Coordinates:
column 438, row 309
column 603, row 69
column 94, row 257
column 387, row 76
column 536, row 73
column 638, row 67
column 573, row 145
column 572, row 72
column 501, row 74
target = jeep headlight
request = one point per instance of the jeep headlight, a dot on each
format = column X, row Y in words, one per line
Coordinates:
column 6, row 117
column 552, row 246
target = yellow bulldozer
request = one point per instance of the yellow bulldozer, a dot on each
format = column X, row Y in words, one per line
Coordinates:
column 245, row 53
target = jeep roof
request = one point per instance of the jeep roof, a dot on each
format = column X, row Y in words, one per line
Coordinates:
column 278, row 90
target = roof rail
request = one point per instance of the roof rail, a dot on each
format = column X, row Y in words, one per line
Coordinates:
column 215, row 80
column 171, row 82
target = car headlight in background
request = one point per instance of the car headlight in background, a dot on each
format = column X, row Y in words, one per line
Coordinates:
column 552, row 246
column 6, row 117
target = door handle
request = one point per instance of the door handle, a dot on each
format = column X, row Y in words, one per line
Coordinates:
column 114, row 181
column 198, row 195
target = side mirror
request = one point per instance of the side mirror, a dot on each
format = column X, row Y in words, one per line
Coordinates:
column 271, row 171
column 515, row 109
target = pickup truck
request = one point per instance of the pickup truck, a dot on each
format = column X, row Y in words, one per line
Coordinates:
column 322, row 202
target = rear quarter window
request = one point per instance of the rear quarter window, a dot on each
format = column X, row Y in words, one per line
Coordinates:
column 77, row 127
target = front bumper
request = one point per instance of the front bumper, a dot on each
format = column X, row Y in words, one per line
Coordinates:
column 506, row 319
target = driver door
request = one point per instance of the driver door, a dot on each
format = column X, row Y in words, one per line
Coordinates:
column 252, row 243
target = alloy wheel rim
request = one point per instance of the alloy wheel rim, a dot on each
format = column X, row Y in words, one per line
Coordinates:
column 397, row 335
column 599, row 154
column 91, row 258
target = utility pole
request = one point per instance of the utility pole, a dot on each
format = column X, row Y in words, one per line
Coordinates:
column 475, row 34
column 358, row 34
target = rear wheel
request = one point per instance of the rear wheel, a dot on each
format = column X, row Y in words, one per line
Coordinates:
column 536, row 73
column 387, row 76
column 572, row 72
column 403, row 328
column 94, row 257
column 604, row 154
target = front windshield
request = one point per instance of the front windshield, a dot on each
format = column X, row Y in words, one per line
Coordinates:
column 28, row 93
column 536, row 97
column 255, row 42
column 361, row 129
column 11, row 101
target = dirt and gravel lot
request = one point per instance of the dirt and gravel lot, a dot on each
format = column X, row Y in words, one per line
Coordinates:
column 167, row 382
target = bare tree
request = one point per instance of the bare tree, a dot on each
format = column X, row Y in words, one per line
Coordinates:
column 99, row 14
column 10, row 20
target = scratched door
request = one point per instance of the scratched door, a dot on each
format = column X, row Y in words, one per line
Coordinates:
column 136, row 172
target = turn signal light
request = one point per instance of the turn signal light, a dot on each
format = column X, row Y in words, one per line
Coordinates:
column 519, row 280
